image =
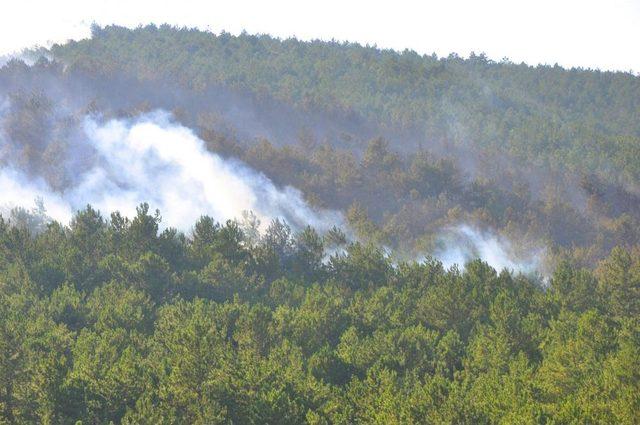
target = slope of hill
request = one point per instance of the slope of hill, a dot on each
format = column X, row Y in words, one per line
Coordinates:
column 134, row 316
column 406, row 145
column 581, row 119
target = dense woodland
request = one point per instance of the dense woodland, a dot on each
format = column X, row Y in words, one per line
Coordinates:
column 116, row 319
column 406, row 144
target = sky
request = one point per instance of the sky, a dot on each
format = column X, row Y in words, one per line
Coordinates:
column 586, row 33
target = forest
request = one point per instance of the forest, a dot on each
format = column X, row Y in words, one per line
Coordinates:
column 201, row 228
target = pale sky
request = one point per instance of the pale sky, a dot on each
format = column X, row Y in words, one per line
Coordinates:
column 586, row 33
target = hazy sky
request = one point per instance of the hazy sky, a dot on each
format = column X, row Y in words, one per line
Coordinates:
column 587, row 33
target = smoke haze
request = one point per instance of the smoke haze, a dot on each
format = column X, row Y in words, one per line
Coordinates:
column 117, row 164
column 151, row 159
column 463, row 243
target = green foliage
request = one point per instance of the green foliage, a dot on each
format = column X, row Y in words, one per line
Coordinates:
column 205, row 333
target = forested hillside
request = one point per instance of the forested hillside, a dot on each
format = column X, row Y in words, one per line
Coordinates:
column 406, row 144
column 116, row 321
column 369, row 171
column 575, row 119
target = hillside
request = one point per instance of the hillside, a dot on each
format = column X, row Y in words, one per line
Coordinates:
column 576, row 119
column 217, row 229
column 405, row 145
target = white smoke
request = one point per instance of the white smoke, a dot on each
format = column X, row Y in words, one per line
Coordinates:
column 153, row 160
column 17, row 191
column 166, row 165
column 461, row 244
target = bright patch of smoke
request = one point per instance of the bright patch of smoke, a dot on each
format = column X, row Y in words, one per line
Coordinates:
column 17, row 191
column 464, row 243
column 119, row 164
column 154, row 160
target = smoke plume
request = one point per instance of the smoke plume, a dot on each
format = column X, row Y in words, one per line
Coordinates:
column 463, row 243
column 151, row 159
column 116, row 165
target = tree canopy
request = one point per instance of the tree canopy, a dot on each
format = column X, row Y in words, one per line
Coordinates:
column 106, row 320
